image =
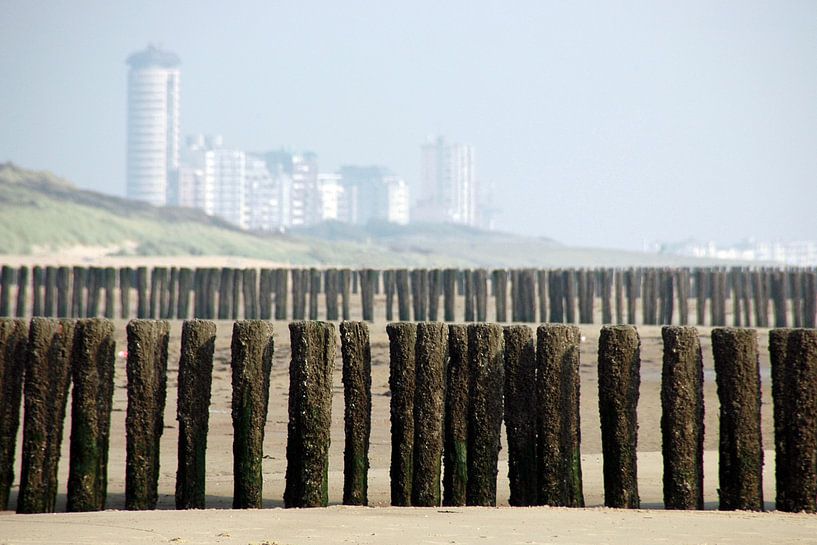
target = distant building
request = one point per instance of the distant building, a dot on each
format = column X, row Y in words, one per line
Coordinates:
column 448, row 188
column 333, row 200
column 374, row 193
column 296, row 179
column 153, row 127
column 214, row 179
column 801, row 253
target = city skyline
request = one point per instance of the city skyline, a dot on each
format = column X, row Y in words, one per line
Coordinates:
column 596, row 125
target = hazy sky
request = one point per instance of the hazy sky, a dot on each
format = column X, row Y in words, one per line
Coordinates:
column 599, row 123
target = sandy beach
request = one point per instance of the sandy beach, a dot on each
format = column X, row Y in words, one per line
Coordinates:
column 382, row 524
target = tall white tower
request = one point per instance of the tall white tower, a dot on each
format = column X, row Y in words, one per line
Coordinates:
column 448, row 183
column 153, row 126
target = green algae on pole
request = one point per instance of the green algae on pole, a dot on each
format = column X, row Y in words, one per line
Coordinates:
column 486, row 370
column 310, row 413
column 402, row 381
column 520, row 416
column 147, row 391
column 92, row 373
column 737, row 374
column 794, row 389
column 13, row 354
column 682, row 418
column 48, row 376
column 619, row 379
column 251, row 361
column 559, row 467
column 192, row 412
column 457, row 406
column 429, row 394
column 357, row 414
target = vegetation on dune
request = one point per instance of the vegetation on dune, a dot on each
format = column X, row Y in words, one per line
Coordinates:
column 40, row 212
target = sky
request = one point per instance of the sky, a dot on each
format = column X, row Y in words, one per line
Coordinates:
column 597, row 123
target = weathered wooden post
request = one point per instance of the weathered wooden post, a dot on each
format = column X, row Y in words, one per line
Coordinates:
column 583, row 295
column 761, row 298
column 542, row 291
column 185, row 285
column 298, row 295
column 13, row 354
column 265, row 294
column 736, row 279
column 682, row 418
column 144, row 423
column 470, row 315
column 357, row 414
column 47, row 377
column 481, row 294
column 809, row 298
column 435, row 286
column 741, row 449
column 520, row 414
column 77, row 292
column 109, row 276
column 402, row 381
column 36, row 291
column 50, row 308
column 569, row 287
column 252, row 349
column 330, row 283
column 345, row 296
column 606, row 283
column 619, row 285
column 213, row 285
column 559, row 465
column 486, row 370
column 682, row 287
column 403, row 295
column 778, row 295
column 199, row 293
column 648, row 311
column 192, row 411
column 92, row 376
column 368, row 280
column 389, row 287
column 430, row 358
column 281, row 293
column 500, row 282
column 667, row 292
column 449, row 294
column 64, row 293
column 701, row 293
column 794, row 389
column 310, row 414
column 418, row 295
column 125, row 284
column 95, row 281
column 557, row 297
column 7, row 274
column 141, row 290
column 225, row 294
column 619, row 380
column 22, row 292
column 314, row 291
column 249, row 283
column 156, row 288
column 457, row 408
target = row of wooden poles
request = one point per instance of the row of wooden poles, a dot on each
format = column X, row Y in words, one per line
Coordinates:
column 451, row 387
column 556, row 296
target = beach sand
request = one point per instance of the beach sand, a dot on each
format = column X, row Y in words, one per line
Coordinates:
column 382, row 524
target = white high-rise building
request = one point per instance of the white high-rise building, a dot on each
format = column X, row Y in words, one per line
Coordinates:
column 153, row 126
column 448, row 184
column 373, row 193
